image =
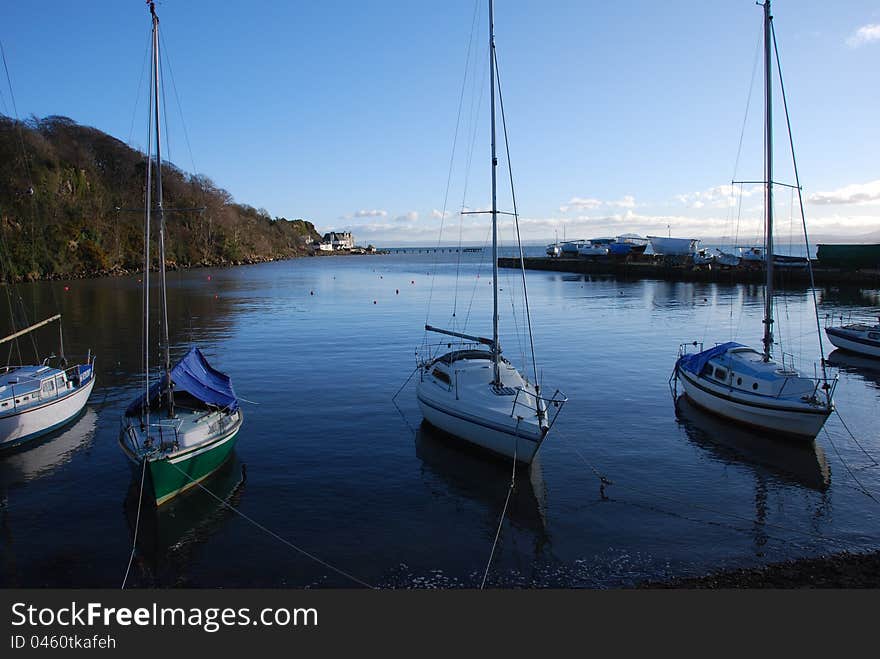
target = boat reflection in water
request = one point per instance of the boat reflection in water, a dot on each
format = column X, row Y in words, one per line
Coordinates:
column 43, row 456
column 469, row 473
column 168, row 537
column 867, row 368
column 792, row 463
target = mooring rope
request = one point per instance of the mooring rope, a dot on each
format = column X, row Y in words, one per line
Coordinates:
column 853, row 437
column 137, row 523
column 687, row 504
column 862, row 488
column 504, row 510
column 272, row 533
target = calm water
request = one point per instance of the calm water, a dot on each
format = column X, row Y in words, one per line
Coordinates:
column 321, row 345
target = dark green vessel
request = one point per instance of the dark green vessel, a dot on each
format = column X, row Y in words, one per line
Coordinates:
column 861, row 256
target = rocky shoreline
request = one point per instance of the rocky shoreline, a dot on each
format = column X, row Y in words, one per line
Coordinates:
column 170, row 266
column 843, row 570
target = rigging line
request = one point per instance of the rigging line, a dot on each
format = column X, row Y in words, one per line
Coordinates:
column 516, row 217
column 415, row 370
column 863, row 489
column 269, row 532
column 506, row 502
column 137, row 98
column 797, row 180
column 179, row 106
column 853, row 437
column 137, row 522
column 449, row 172
column 162, row 62
column 449, row 177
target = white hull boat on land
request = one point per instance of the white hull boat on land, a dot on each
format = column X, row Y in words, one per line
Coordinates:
column 673, row 246
column 740, row 383
column 471, row 391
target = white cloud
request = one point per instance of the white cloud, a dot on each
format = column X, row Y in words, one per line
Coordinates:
column 720, row 196
column 439, row 215
column 412, row 216
column 856, row 193
column 371, row 213
column 865, row 34
column 580, row 204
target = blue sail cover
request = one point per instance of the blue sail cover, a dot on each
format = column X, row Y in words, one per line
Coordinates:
column 195, row 376
column 695, row 362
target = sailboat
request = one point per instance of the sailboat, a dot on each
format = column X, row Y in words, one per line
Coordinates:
column 473, row 392
column 183, row 427
column 36, row 399
column 747, row 385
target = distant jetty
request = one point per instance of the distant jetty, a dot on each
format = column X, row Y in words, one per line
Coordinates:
column 656, row 267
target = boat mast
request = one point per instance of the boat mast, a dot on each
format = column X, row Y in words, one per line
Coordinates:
column 496, row 351
column 166, row 357
column 768, row 197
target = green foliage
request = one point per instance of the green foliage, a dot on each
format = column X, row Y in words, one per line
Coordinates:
column 66, row 194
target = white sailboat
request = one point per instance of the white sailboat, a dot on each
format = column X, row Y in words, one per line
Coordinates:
column 472, row 391
column 861, row 338
column 743, row 384
column 183, row 427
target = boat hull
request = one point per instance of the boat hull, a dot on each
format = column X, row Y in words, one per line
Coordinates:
column 30, row 424
column 844, row 341
column 174, row 474
column 495, row 439
column 803, row 424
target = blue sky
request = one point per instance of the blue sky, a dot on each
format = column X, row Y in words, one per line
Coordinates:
column 623, row 116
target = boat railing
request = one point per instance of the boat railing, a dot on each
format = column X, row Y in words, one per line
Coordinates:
column 426, row 353
column 822, row 387
column 683, row 348
column 34, row 389
column 534, row 402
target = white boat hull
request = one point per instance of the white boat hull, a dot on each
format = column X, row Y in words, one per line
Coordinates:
column 500, row 442
column 32, row 423
column 673, row 246
column 839, row 340
column 801, row 423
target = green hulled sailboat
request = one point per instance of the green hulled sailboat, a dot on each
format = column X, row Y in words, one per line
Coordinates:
column 183, row 426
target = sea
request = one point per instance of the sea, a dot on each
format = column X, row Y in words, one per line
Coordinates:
column 336, row 482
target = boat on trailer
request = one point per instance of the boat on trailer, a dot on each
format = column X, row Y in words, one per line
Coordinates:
column 740, row 383
column 472, row 392
column 36, row 399
column 183, row 427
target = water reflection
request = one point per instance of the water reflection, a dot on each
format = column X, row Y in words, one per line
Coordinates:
column 168, row 538
column 792, row 463
column 866, row 368
column 43, row 456
column 472, row 474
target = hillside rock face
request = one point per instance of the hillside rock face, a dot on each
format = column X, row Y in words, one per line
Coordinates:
column 71, row 200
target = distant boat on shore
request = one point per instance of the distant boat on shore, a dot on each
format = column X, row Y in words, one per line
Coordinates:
column 668, row 246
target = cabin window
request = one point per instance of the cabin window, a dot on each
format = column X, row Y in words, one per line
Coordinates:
column 739, row 381
column 720, row 374
column 754, row 385
column 874, row 335
column 59, row 382
column 440, row 375
column 48, row 387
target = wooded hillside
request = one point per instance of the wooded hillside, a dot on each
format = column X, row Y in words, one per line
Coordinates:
column 66, row 194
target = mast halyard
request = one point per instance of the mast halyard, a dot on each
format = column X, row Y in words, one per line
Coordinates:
column 496, row 349
column 768, row 196
column 166, row 357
